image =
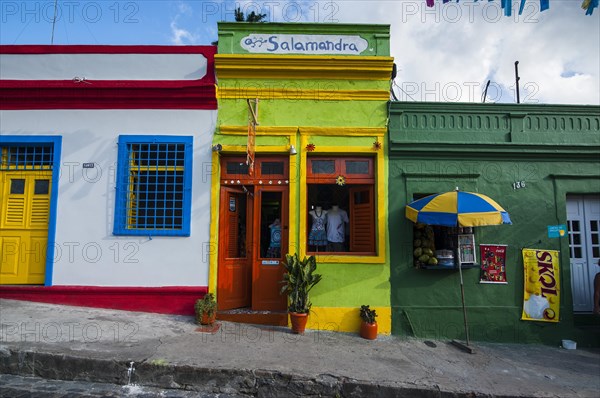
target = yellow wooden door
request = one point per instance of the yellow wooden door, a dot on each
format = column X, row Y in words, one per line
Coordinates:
column 24, row 216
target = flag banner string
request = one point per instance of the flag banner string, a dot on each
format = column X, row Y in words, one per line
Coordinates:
column 588, row 5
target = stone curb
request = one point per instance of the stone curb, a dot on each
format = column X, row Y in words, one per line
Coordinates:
column 254, row 383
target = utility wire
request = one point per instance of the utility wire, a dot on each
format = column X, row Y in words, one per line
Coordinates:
column 54, row 21
column 407, row 94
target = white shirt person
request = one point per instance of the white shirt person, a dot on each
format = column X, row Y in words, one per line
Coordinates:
column 336, row 229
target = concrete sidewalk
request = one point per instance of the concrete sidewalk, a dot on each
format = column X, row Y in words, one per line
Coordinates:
column 75, row 343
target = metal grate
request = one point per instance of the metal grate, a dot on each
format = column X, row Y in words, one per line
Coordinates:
column 155, row 186
column 30, row 157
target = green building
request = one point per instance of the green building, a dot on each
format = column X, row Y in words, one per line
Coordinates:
column 541, row 163
column 308, row 102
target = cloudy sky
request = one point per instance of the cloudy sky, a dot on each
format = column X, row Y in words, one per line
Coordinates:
column 445, row 53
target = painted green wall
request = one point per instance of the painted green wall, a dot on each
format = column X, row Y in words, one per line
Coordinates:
column 284, row 112
column 343, row 285
column 428, row 158
column 352, row 285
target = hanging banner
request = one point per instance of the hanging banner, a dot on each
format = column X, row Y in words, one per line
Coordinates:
column 493, row 264
column 251, row 145
column 541, row 300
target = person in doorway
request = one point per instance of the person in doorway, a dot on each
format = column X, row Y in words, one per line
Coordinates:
column 336, row 229
column 597, row 292
column 318, row 235
column 274, row 250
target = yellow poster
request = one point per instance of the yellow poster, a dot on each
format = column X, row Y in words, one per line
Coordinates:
column 541, row 300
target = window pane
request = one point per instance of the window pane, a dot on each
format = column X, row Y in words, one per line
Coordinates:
column 237, row 168
column 270, row 168
column 575, row 226
column 577, row 252
column 236, row 220
column 576, row 239
column 596, row 252
column 594, row 225
column 17, row 186
column 361, row 197
column 156, row 190
column 357, row 167
column 28, row 157
column 42, row 187
column 270, row 225
column 323, row 166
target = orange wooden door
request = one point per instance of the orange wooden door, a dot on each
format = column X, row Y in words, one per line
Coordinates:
column 270, row 247
column 235, row 250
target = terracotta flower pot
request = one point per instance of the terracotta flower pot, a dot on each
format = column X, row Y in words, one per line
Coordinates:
column 368, row 330
column 208, row 320
column 298, row 322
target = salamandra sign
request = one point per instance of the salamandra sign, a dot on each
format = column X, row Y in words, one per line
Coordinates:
column 304, row 44
column 541, row 300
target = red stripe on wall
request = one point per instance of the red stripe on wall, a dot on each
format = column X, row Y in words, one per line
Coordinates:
column 178, row 300
column 76, row 96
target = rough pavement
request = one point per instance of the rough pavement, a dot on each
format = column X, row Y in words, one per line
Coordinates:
column 96, row 345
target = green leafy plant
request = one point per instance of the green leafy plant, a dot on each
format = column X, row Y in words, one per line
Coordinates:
column 299, row 279
column 367, row 315
column 206, row 304
column 252, row 17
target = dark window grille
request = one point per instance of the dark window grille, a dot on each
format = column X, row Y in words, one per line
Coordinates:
column 153, row 187
column 27, row 157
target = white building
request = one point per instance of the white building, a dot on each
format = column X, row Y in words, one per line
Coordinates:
column 105, row 174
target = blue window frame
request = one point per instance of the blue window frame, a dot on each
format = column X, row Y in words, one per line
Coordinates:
column 154, row 185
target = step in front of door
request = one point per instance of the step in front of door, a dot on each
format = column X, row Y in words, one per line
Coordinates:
column 271, row 318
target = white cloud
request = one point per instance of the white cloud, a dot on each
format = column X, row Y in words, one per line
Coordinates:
column 184, row 8
column 459, row 46
column 181, row 36
column 455, row 45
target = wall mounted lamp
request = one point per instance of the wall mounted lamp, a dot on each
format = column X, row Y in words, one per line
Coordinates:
column 217, row 148
column 293, row 150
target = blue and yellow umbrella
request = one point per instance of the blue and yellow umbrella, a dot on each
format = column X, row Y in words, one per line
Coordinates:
column 457, row 209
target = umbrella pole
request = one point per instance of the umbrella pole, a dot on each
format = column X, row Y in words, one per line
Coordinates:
column 462, row 296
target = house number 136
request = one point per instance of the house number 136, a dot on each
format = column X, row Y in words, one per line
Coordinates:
column 518, row 184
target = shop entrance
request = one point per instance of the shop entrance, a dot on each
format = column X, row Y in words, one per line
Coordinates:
column 583, row 217
column 253, row 238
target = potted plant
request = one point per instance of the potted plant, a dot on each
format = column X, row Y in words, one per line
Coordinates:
column 368, row 326
column 206, row 309
column 299, row 279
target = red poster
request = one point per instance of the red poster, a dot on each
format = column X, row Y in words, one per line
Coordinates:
column 493, row 263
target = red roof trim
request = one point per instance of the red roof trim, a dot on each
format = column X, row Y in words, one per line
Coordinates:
column 106, row 84
column 110, row 94
column 208, row 51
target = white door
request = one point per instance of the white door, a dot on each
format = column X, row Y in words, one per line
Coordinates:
column 583, row 217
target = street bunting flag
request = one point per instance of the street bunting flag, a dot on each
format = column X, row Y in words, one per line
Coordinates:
column 541, row 300
column 493, row 264
column 587, row 5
